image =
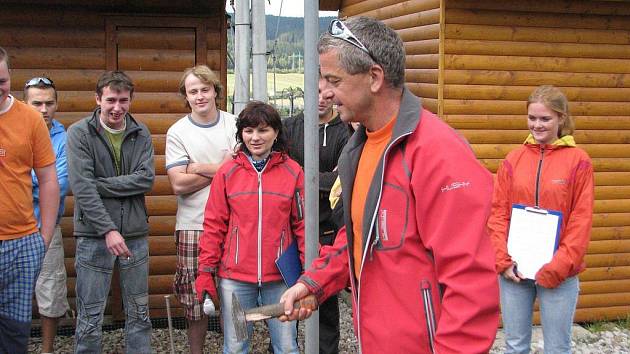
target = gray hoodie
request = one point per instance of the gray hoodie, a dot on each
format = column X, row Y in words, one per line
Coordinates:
column 103, row 199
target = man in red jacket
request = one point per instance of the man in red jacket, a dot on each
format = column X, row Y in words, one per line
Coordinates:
column 414, row 247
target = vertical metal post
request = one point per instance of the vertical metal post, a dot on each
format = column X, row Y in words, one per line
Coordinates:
column 311, row 152
column 259, row 51
column 242, row 48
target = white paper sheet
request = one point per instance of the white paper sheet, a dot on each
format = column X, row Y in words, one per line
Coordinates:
column 532, row 238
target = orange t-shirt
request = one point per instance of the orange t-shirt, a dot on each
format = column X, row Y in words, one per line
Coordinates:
column 24, row 145
column 370, row 156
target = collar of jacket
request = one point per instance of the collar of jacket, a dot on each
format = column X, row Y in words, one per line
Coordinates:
column 275, row 158
column 132, row 124
column 56, row 128
column 406, row 121
column 565, row 141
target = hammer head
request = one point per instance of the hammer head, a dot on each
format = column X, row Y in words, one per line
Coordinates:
column 238, row 318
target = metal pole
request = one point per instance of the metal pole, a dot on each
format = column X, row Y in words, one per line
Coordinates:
column 259, row 50
column 311, row 153
column 242, row 49
column 167, row 298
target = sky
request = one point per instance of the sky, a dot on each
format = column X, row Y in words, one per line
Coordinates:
column 290, row 8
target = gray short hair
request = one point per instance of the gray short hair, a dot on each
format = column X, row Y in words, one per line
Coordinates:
column 383, row 43
column 4, row 57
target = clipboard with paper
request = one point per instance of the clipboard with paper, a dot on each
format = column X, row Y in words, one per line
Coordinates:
column 533, row 237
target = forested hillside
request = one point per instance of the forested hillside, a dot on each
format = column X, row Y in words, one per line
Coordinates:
column 289, row 46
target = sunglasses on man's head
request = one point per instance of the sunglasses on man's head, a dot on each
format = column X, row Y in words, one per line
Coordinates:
column 39, row 81
column 339, row 30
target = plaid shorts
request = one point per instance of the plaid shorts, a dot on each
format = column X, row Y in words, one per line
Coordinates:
column 187, row 242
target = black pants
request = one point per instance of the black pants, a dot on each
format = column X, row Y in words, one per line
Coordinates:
column 329, row 326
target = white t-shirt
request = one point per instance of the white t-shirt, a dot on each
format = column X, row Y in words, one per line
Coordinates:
column 188, row 141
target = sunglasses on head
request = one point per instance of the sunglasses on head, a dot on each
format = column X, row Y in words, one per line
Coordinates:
column 39, row 81
column 339, row 30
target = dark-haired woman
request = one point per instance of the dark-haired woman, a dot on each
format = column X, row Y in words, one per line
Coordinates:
column 254, row 212
column 550, row 172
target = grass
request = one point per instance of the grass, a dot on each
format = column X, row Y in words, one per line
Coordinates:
column 283, row 81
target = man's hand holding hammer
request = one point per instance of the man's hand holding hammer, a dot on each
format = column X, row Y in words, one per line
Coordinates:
column 290, row 296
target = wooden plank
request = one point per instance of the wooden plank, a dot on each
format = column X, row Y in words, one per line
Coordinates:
column 477, row 136
column 158, row 225
column 369, row 7
column 431, row 31
column 159, row 245
column 398, row 9
column 157, row 205
column 518, row 121
column 558, row 7
column 422, row 61
column 604, row 286
column 414, row 20
column 537, row 49
column 499, row 151
column 55, row 16
column 535, row 34
column 608, row 313
column 158, row 123
column 155, row 59
column 600, row 165
column 536, row 19
column 424, row 90
column 145, row 102
column 587, row 301
column 527, row 63
column 609, row 273
column 534, row 78
column 612, row 192
column 52, row 37
column 609, row 246
column 156, row 37
column 607, row 260
column 496, row 92
column 504, row 107
column 421, row 75
column 428, row 46
column 57, row 58
column 610, row 233
column 612, row 205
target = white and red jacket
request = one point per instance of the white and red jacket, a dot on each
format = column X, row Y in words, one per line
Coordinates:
column 251, row 217
column 427, row 282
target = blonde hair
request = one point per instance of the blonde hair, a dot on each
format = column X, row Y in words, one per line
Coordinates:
column 556, row 101
column 207, row 76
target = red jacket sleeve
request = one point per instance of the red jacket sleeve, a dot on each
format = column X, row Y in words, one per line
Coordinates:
column 328, row 274
column 215, row 225
column 499, row 219
column 577, row 233
column 452, row 211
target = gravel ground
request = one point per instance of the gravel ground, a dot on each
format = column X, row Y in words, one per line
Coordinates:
column 610, row 340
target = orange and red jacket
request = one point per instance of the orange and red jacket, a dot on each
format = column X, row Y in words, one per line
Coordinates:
column 427, row 282
column 555, row 177
column 251, row 218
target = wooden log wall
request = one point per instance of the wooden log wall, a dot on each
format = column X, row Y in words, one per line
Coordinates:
column 497, row 52
column 70, row 47
column 476, row 62
column 418, row 24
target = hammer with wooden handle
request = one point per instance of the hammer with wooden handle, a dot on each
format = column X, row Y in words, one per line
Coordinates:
column 240, row 317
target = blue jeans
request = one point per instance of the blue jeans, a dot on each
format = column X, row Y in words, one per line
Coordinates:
column 557, row 307
column 94, row 265
column 283, row 334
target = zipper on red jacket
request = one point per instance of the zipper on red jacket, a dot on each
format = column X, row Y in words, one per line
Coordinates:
column 260, row 226
column 378, row 202
column 429, row 314
column 538, row 173
column 236, row 247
